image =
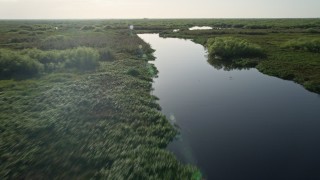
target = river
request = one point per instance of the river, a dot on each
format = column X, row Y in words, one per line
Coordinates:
column 235, row 124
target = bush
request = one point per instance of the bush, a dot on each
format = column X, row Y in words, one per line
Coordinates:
column 133, row 72
column 312, row 30
column 56, row 42
column 44, row 57
column 51, row 60
column 106, row 54
column 82, row 58
column 13, row 64
column 229, row 47
column 304, row 44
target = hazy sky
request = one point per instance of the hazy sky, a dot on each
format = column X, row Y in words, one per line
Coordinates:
column 71, row 9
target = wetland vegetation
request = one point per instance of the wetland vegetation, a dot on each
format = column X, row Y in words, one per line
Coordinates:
column 75, row 97
column 76, row 104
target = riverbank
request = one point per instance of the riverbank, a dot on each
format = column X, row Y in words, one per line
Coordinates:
column 78, row 123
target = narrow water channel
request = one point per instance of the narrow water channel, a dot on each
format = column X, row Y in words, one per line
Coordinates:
column 236, row 124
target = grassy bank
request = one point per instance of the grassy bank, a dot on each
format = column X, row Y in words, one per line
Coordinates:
column 74, row 120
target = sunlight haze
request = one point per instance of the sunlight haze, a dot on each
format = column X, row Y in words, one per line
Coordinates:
column 89, row 9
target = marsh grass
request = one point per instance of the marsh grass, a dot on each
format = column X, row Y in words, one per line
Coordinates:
column 17, row 65
column 304, row 44
column 103, row 123
column 230, row 47
column 98, row 124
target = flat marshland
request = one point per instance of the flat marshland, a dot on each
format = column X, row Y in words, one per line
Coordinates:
column 75, row 103
column 75, row 95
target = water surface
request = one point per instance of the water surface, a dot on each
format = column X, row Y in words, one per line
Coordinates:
column 176, row 30
column 237, row 124
column 200, row 28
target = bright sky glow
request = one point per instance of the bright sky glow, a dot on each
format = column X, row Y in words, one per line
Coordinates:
column 105, row 9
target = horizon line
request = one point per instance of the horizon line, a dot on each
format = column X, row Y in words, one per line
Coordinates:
column 156, row 18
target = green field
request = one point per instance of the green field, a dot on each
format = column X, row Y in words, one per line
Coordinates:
column 75, row 96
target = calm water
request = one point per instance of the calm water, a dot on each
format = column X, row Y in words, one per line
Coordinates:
column 200, row 28
column 237, row 124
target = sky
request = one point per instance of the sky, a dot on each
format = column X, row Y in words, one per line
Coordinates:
column 119, row 9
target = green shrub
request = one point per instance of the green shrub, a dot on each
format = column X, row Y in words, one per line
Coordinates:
column 304, row 44
column 108, row 27
column 229, row 47
column 13, row 64
column 133, row 72
column 51, row 60
column 45, row 57
column 106, row 54
column 82, row 58
column 312, row 30
column 55, row 42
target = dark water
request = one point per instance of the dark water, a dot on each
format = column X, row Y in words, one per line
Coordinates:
column 237, row 124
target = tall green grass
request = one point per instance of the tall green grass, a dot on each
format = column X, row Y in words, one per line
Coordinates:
column 230, row 47
column 304, row 44
column 82, row 58
column 13, row 64
column 30, row 62
column 66, row 124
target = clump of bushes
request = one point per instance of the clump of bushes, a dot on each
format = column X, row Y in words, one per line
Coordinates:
column 52, row 60
column 230, row 47
column 13, row 64
column 82, row 58
column 313, row 30
column 304, row 44
column 55, row 42
column 29, row 62
column 106, row 54
column 108, row 27
column 133, row 72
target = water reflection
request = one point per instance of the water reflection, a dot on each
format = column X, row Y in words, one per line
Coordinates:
column 228, row 65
